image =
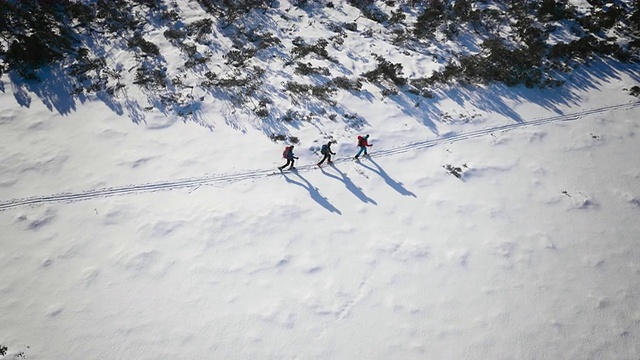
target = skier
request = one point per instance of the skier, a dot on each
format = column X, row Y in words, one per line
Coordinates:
column 326, row 151
column 363, row 144
column 288, row 154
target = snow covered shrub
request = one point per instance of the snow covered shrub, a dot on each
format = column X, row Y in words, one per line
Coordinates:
column 36, row 33
column 297, row 88
column 145, row 46
column 397, row 17
column 230, row 10
column 385, row 70
column 262, row 40
column 30, row 51
column 322, row 92
column 171, row 15
column 308, row 69
column 400, row 36
column 555, row 10
column 174, row 34
column 249, row 83
column 602, row 18
column 194, row 57
column 211, row 80
column 277, row 137
column 635, row 91
column 200, row 29
column 345, row 83
column 92, row 74
column 374, row 13
column 338, row 39
column 261, row 111
column 239, row 58
column 634, row 19
column 487, row 20
column 150, row 78
column 430, row 19
column 351, row 26
column 529, row 33
column 421, row 87
column 293, row 115
column 360, row 4
column 301, row 49
column 462, row 10
column 386, row 92
column 585, row 47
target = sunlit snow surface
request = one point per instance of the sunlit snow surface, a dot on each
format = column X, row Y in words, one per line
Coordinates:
column 496, row 223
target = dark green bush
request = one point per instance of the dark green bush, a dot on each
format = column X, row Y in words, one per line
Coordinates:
column 308, row 69
column 386, row 70
column 145, row 46
column 345, row 83
column 239, row 58
column 301, row 49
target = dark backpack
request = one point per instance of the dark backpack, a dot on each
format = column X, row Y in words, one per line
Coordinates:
column 324, row 150
column 286, row 152
column 360, row 141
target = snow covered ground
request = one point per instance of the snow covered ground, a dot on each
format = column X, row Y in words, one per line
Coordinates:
column 165, row 239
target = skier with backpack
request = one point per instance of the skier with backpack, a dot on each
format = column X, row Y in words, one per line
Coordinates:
column 362, row 144
column 326, row 152
column 288, row 154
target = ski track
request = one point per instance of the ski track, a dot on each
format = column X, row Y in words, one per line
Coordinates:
column 196, row 182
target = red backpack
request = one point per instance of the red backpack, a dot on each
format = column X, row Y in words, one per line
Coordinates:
column 286, row 152
column 360, row 141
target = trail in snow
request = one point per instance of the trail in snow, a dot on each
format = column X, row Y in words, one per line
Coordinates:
column 195, row 182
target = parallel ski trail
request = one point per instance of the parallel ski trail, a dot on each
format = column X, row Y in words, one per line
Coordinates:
column 195, row 182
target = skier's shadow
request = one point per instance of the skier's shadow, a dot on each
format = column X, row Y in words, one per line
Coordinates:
column 398, row 186
column 350, row 185
column 313, row 191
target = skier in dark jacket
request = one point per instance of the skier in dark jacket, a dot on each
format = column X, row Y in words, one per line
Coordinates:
column 363, row 144
column 288, row 154
column 326, row 151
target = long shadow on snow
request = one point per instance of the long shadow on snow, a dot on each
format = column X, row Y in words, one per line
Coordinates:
column 396, row 185
column 313, row 191
column 349, row 184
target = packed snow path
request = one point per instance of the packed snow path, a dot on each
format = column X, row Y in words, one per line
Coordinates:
column 195, row 182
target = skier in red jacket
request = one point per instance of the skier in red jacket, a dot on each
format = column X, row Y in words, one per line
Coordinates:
column 363, row 144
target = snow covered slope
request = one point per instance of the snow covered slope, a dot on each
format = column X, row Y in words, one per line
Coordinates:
column 488, row 223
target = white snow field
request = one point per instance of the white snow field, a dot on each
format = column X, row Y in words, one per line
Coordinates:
column 166, row 239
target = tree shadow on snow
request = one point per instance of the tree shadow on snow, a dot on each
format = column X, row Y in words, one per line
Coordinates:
column 349, row 184
column 55, row 93
column 396, row 185
column 313, row 191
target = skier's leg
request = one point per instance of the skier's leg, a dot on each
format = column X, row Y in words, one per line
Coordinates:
column 360, row 151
